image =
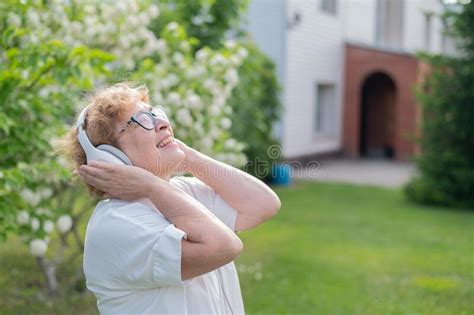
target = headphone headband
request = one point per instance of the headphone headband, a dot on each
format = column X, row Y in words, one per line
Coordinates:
column 104, row 152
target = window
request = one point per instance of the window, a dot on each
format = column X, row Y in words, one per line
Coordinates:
column 325, row 109
column 389, row 23
column 428, row 28
column 329, row 6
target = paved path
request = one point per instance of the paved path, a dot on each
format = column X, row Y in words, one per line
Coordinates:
column 384, row 173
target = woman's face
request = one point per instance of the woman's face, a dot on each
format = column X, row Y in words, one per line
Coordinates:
column 143, row 147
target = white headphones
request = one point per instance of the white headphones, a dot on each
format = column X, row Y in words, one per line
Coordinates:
column 103, row 152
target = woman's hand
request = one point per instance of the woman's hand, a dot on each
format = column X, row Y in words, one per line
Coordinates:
column 189, row 162
column 118, row 181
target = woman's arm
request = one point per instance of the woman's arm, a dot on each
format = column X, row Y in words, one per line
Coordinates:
column 210, row 243
column 254, row 201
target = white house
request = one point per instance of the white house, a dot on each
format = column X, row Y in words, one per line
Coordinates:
column 330, row 54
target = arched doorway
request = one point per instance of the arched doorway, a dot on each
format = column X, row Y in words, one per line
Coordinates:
column 378, row 117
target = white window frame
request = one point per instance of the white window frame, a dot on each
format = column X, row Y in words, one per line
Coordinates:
column 319, row 131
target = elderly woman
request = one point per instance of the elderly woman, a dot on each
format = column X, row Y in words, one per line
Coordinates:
column 161, row 244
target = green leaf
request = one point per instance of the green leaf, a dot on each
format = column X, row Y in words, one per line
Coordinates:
column 8, row 36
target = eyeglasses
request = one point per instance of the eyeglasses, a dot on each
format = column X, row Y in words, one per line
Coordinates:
column 147, row 120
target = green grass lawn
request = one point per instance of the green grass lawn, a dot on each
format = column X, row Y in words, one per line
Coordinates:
column 332, row 249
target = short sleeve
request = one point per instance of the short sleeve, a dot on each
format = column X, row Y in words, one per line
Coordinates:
column 167, row 254
column 209, row 198
column 142, row 252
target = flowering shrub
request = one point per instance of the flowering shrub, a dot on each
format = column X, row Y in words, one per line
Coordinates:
column 256, row 99
column 50, row 53
column 39, row 84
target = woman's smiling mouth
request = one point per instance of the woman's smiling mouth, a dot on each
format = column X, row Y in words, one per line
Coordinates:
column 165, row 142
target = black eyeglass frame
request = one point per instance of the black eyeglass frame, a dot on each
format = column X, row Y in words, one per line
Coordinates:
column 153, row 116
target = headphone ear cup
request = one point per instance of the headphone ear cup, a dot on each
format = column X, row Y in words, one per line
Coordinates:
column 115, row 152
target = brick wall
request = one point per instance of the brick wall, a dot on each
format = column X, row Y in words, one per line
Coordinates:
column 402, row 68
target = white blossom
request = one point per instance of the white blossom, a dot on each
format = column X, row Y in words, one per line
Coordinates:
column 219, row 101
column 214, row 110
column 161, row 46
column 48, row 226
column 165, row 83
column 207, row 143
column 218, row 59
column 235, row 60
column 45, row 193
column 154, row 10
column 157, row 98
column 178, row 58
column 41, row 211
column 227, row 90
column 124, row 43
column 217, row 91
column 43, row 92
column 230, row 44
column 214, row 132
column 201, row 55
column 241, row 159
column 122, row 6
column 24, row 74
column 173, row 79
column 232, row 76
column 230, row 143
column 64, row 223
column 184, row 117
column 184, row 46
column 174, row 98
column 242, row 52
column 38, row 247
column 197, row 20
column 210, row 84
column 30, row 197
column 195, row 72
column 172, row 26
column 129, row 63
column 109, row 27
column 226, row 123
column 199, row 129
column 13, row 19
column 194, row 101
column 33, row 17
column 23, row 217
column 228, row 110
column 35, row 224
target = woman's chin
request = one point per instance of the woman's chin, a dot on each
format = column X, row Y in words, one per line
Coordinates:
column 169, row 159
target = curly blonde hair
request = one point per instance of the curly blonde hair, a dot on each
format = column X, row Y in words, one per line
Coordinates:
column 106, row 106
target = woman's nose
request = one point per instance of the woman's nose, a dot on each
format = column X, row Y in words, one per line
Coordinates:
column 162, row 125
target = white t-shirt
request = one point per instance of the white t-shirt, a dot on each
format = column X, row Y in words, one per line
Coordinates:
column 132, row 259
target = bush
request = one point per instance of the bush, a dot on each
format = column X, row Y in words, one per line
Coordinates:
column 446, row 163
column 256, row 108
column 206, row 20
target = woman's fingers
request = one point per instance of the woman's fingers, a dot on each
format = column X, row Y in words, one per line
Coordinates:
column 90, row 176
column 93, row 171
column 124, row 181
column 102, row 165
